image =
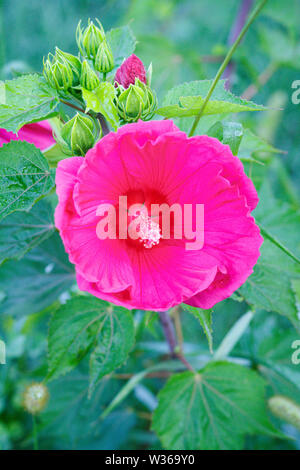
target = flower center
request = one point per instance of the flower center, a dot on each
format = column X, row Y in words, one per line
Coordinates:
column 149, row 231
column 143, row 229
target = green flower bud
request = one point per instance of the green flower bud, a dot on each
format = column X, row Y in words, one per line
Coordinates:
column 104, row 62
column 88, row 79
column 35, row 398
column 138, row 101
column 285, row 409
column 78, row 135
column 58, row 72
column 89, row 39
column 73, row 62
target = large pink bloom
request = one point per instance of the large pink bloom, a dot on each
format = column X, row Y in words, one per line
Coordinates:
column 38, row 133
column 155, row 162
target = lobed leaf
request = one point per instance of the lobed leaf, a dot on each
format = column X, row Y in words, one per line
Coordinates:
column 24, row 177
column 269, row 287
column 21, row 232
column 86, row 323
column 26, row 99
column 122, row 42
column 187, row 99
column 205, row 319
column 35, row 282
column 212, row 409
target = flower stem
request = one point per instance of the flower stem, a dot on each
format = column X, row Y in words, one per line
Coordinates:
column 170, row 336
column 226, row 61
column 72, row 106
column 103, row 124
column 35, row 434
column 237, row 26
column 168, row 331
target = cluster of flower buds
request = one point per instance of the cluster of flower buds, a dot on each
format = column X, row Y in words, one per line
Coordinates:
column 93, row 45
column 65, row 72
column 62, row 70
column 78, row 135
column 135, row 99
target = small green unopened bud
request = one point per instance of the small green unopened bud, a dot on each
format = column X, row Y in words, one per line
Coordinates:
column 88, row 79
column 78, row 135
column 58, row 72
column 73, row 62
column 138, row 101
column 285, row 409
column 89, row 39
column 104, row 62
column 35, row 398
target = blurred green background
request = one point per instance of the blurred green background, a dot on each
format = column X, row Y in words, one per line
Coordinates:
column 184, row 40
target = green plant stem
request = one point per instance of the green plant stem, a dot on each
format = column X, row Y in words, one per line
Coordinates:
column 35, row 434
column 170, row 336
column 226, row 61
column 104, row 76
column 72, row 106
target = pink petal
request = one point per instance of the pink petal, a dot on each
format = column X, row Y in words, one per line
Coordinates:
column 39, row 134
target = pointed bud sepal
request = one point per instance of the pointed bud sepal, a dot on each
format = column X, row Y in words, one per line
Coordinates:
column 58, row 72
column 89, row 39
column 138, row 101
column 88, row 79
column 73, row 62
column 104, row 62
column 78, row 135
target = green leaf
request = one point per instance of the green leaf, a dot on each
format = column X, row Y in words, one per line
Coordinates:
column 122, row 42
column 187, row 99
column 35, row 282
column 85, row 323
column 71, row 420
column 254, row 148
column 24, row 177
column 26, row 99
column 116, row 339
column 21, row 232
column 229, row 133
column 205, row 319
column 212, row 409
column 54, row 155
column 269, row 341
column 101, row 100
column 269, row 287
column 269, row 236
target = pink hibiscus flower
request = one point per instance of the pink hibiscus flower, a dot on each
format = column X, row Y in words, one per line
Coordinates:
column 154, row 162
column 131, row 69
column 38, row 133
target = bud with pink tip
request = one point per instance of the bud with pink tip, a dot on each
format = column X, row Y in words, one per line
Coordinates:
column 131, row 69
